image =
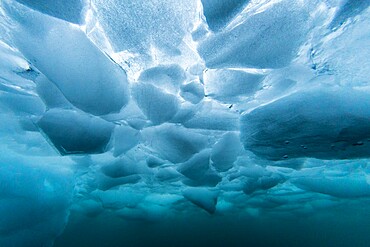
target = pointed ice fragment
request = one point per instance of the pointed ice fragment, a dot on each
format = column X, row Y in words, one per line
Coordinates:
column 203, row 198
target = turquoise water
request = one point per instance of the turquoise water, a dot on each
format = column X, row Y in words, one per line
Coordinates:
column 342, row 227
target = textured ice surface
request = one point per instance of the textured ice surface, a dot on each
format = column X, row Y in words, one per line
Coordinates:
column 70, row 10
column 146, row 110
column 262, row 39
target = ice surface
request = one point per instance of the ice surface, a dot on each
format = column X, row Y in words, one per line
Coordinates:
column 72, row 62
column 158, row 106
column 136, row 26
column 203, row 198
column 197, row 169
column 219, row 13
column 174, row 143
column 192, row 92
column 327, row 124
column 339, row 187
column 214, row 116
column 265, row 39
column 155, row 110
column 225, row 151
column 231, row 86
column 70, row 10
column 167, row 77
column 75, row 132
column 350, row 8
column 125, row 138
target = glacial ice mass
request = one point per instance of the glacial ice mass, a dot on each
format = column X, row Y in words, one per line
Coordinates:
column 149, row 108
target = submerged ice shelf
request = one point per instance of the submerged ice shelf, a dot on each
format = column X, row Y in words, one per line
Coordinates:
column 145, row 109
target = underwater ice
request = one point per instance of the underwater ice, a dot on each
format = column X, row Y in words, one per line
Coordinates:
column 145, row 109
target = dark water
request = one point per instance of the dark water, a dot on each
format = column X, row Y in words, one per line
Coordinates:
column 334, row 228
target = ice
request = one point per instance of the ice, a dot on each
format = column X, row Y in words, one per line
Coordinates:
column 192, row 92
column 33, row 215
column 254, row 178
column 320, row 123
column 122, row 168
column 22, row 104
column 71, row 10
column 219, row 13
column 265, row 39
column 174, row 143
column 203, row 198
column 167, row 77
column 332, row 56
column 125, row 138
column 197, row 111
column 349, row 9
column 137, row 26
column 106, row 183
column 196, row 167
column 343, row 187
column 153, row 161
column 167, row 174
column 120, row 198
column 81, row 82
column 198, row 170
column 158, row 106
column 73, row 132
column 225, row 151
column 231, row 86
column 214, row 116
column 50, row 94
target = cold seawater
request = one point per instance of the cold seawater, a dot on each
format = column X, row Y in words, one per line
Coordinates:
column 340, row 227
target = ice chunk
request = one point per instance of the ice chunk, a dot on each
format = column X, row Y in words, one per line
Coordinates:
column 213, row 116
column 120, row 198
column 219, row 13
column 198, row 171
column 73, row 132
column 265, row 39
column 251, row 171
column 125, row 138
column 349, row 9
column 225, row 151
column 22, row 104
column 167, row 77
column 346, row 187
column 173, row 142
column 131, row 114
column 153, row 161
column 122, row 168
column 203, row 198
column 61, row 51
column 157, row 105
column 333, row 55
column 255, row 178
column 321, row 123
column 139, row 25
column 187, row 111
column 192, row 92
column 50, row 94
column 106, row 183
column 167, row 174
column 71, row 10
column 230, row 86
column 196, row 167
